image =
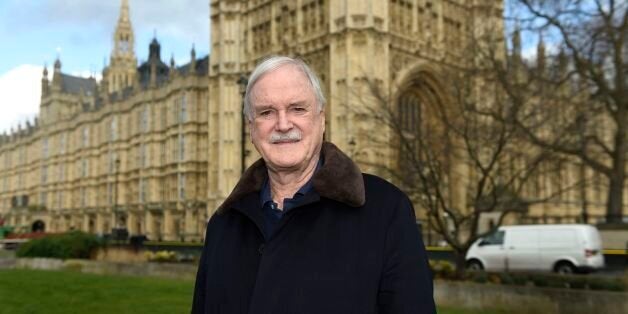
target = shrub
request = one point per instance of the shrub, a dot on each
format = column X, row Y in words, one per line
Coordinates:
column 75, row 244
column 611, row 284
column 162, row 256
column 442, row 269
column 479, row 277
column 562, row 281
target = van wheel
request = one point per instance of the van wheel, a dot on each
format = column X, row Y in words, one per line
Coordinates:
column 474, row 265
column 564, row 268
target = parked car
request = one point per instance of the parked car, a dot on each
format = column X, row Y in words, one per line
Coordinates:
column 559, row 248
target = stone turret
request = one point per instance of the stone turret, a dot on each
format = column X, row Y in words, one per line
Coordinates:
column 57, row 79
column 173, row 67
column 540, row 56
column 122, row 67
column 192, row 68
column 45, row 84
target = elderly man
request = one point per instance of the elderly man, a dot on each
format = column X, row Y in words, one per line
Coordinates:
column 304, row 231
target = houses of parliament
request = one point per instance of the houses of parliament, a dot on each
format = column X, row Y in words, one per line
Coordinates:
column 156, row 147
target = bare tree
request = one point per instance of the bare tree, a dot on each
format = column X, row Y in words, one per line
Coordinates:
column 458, row 156
column 580, row 97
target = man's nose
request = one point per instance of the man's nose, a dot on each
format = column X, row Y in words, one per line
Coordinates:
column 283, row 121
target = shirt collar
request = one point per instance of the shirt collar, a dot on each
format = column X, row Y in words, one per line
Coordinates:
column 265, row 194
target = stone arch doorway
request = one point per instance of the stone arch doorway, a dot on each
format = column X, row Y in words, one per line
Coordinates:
column 38, row 226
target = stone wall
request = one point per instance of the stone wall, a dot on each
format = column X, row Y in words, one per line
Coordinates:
column 518, row 299
column 165, row 270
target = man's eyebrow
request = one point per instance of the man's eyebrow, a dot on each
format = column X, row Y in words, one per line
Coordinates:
column 263, row 107
column 303, row 103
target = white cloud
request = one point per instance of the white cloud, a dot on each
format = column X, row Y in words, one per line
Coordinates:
column 20, row 88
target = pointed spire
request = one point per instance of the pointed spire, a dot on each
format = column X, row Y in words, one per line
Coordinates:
column 561, row 72
column 122, row 65
column 123, row 37
column 192, row 68
column 56, row 76
column 516, row 41
column 124, row 12
column 57, row 66
column 173, row 67
column 44, row 81
column 516, row 59
column 540, row 54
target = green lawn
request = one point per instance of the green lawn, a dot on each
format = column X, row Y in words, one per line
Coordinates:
column 56, row 292
column 51, row 292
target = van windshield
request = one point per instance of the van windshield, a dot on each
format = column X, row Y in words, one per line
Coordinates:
column 495, row 238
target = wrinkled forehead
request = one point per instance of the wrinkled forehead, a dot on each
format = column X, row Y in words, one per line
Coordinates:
column 285, row 81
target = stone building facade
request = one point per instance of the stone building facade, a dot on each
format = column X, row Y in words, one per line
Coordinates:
column 394, row 43
column 405, row 47
column 126, row 152
column 157, row 148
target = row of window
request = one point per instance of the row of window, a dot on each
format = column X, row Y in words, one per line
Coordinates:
column 179, row 114
column 111, row 193
column 178, row 154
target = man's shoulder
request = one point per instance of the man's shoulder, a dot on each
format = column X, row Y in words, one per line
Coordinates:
column 379, row 185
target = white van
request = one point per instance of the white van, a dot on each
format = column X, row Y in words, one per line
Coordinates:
column 559, row 248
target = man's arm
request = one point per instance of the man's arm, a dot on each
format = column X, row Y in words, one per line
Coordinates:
column 406, row 283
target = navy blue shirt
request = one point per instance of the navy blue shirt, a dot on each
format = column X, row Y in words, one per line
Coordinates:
column 270, row 210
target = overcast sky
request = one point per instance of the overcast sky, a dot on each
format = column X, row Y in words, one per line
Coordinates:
column 80, row 32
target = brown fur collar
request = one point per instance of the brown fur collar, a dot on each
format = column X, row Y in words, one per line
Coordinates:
column 339, row 179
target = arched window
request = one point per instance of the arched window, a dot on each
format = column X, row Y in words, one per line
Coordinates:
column 420, row 130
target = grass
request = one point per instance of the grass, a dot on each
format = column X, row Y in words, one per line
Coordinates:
column 57, row 292
column 448, row 310
column 52, row 292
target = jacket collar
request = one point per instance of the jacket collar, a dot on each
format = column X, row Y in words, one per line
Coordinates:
column 338, row 179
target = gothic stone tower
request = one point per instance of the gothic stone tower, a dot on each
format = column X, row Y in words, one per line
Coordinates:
column 122, row 68
column 399, row 45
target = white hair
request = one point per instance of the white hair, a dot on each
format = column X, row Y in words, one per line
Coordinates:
column 273, row 63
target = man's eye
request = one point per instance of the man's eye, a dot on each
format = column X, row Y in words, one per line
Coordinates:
column 264, row 113
column 299, row 109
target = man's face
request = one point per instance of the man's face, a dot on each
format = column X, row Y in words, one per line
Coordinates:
column 287, row 127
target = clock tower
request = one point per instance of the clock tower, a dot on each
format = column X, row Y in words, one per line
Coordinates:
column 122, row 70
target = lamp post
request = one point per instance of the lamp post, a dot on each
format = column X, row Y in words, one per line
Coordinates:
column 584, row 214
column 242, row 83
column 115, row 191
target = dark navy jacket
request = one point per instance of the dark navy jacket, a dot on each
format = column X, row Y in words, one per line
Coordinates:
column 351, row 247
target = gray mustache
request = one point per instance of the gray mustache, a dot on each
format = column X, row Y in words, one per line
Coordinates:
column 293, row 135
